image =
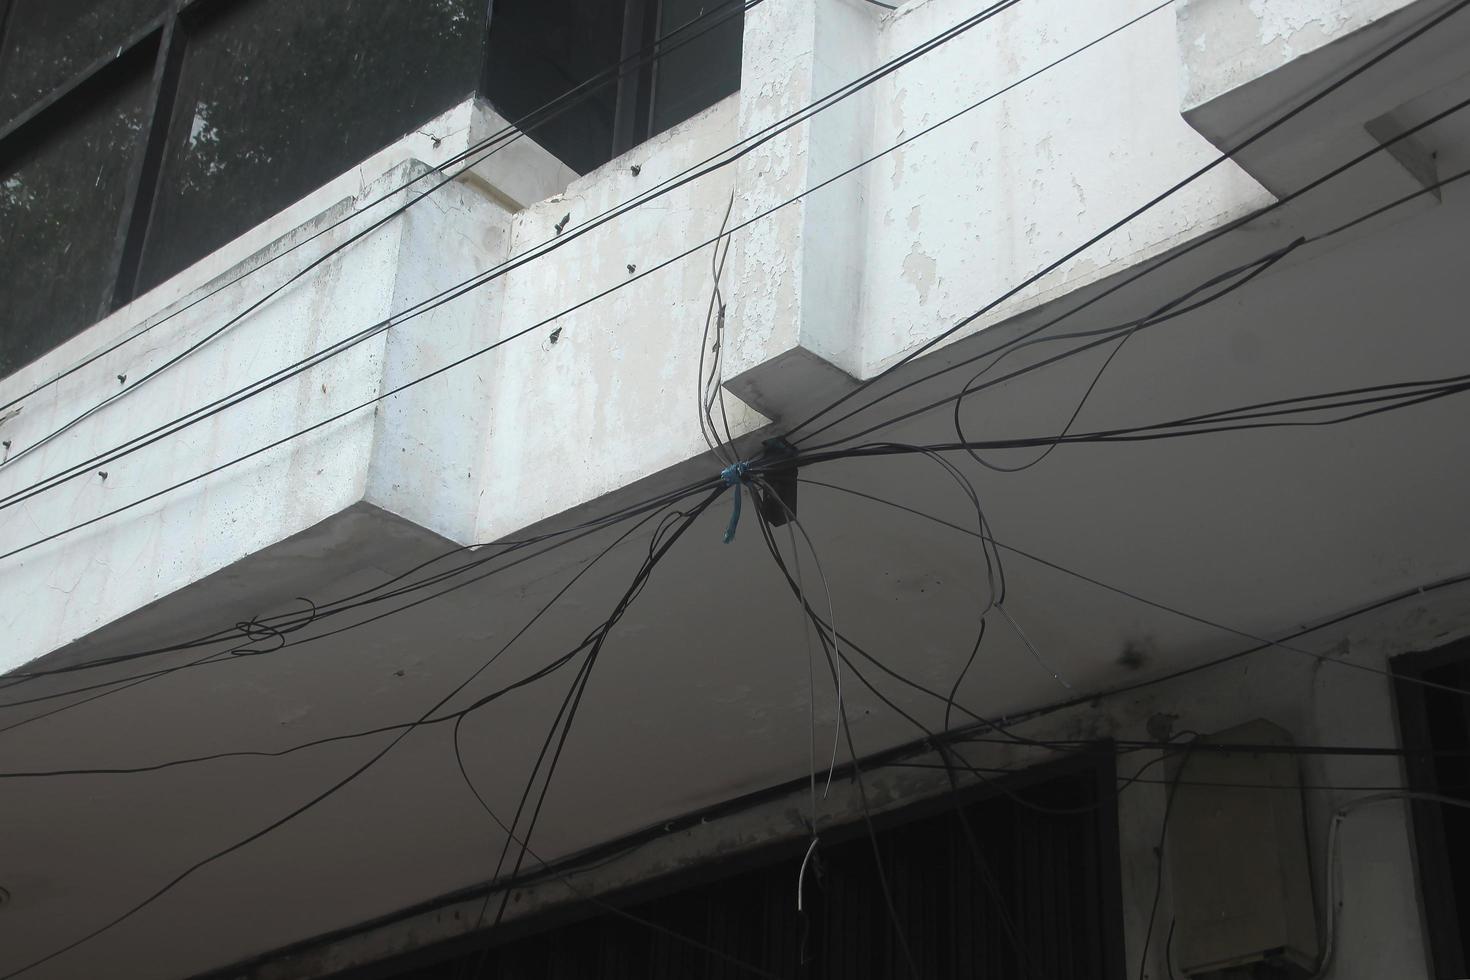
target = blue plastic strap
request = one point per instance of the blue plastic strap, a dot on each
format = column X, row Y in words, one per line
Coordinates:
column 734, row 476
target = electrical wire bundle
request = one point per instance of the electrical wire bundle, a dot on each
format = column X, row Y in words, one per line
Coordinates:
column 673, row 514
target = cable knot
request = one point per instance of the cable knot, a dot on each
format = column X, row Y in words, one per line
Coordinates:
column 735, row 476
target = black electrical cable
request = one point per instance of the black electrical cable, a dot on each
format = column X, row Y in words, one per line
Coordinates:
column 422, row 719
column 285, row 623
column 1069, row 746
column 1122, row 336
column 288, row 623
column 1029, row 338
column 893, row 449
column 592, row 898
column 712, row 164
column 1150, row 204
column 709, row 388
column 657, row 548
column 591, row 299
column 940, row 743
column 1323, row 625
column 536, row 118
column 1256, row 748
column 848, row 739
column 104, row 690
column 1425, row 391
column 846, row 730
column 1159, row 864
column 1451, row 386
column 1262, row 643
column 133, row 681
column 573, row 700
column 442, row 298
column 930, row 736
column 1174, row 429
column 594, row 640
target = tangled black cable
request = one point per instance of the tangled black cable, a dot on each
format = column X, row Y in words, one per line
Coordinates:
column 667, row 534
column 402, row 733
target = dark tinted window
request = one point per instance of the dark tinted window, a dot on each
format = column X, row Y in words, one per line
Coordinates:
column 48, row 42
column 278, row 96
column 542, row 48
column 694, row 76
column 1435, row 722
column 61, row 202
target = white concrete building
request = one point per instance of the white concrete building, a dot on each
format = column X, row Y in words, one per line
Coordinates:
column 358, row 503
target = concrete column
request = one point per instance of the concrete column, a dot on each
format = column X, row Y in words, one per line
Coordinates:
column 796, row 305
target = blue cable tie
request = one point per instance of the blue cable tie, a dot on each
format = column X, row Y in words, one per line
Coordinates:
column 734, row 476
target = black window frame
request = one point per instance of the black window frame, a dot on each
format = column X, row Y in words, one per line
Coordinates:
column 1439, row 893
column 636, row 92
column 1104, row 878
column 124, row 278
column 31, row 127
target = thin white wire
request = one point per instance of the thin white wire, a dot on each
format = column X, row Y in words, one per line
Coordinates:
column 831, row 627
column 1334, row 870
column 1034, row 654
column 801, row 873
column 811, row 684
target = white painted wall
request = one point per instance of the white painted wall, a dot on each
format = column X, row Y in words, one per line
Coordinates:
column 604, row 396
column 66, row 589
column 964, row 214
column 1228, row 43
column 885, row 260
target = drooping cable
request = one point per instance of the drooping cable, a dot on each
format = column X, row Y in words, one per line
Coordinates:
column 568, row 536
column 591, row 897
column 846, row 729
column 559, row 730
column 1123, row 336
column 303, row 808
column 1262, row 643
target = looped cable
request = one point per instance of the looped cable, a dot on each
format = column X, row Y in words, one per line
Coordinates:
column 256, row 631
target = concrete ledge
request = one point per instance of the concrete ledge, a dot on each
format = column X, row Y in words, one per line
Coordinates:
column 1245, row 63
